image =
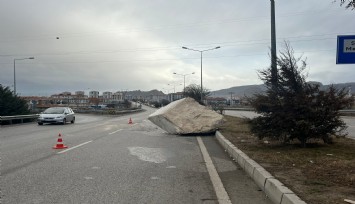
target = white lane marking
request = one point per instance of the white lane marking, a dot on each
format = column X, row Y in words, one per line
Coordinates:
column 74, row 147
column 221, row 192
column 114, row 132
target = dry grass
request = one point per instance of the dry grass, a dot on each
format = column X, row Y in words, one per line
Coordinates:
column 320, row 173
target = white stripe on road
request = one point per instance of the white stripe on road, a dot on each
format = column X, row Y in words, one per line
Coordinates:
column 74, row 147
column 221, row 192
column 114, row 132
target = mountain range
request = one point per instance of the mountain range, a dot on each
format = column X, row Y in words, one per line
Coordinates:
column 250, row 90
column 241, row 91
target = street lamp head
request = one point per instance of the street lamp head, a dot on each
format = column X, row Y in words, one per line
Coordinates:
column 31, row 58
column 218, row 47
column 174, row 73
column 184, row 48
column 193, row 73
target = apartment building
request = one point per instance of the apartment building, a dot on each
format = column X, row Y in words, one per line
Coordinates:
column 107, row 97
column 117, row 97
column 94, row 94
column 80, row 100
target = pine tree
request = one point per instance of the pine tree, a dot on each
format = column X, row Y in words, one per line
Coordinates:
column 348, row 3
column 11, row 104
column 295, row 109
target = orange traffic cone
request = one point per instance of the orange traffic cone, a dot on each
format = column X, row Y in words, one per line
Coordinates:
column 130, row 121
column 60, row 144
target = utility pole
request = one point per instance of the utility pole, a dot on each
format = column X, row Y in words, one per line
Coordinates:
column 273, row 47
column 231, row 102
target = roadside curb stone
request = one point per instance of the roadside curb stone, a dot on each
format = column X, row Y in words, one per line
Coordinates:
column 273, row 188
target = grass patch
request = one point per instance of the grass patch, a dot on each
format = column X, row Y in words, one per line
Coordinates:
column 320, row 173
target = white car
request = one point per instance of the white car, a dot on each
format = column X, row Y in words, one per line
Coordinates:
column 56, row 115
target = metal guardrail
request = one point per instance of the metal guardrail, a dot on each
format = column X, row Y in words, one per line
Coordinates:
column 21, row 118
column 238, row 109
column 349, row 112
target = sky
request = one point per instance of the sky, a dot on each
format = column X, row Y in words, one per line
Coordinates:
column 117, row 45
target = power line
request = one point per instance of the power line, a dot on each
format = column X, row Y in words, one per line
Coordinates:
column 152, row 49
column 160, row 27
column 172, row 59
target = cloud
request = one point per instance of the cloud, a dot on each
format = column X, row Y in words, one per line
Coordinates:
column 128, row 45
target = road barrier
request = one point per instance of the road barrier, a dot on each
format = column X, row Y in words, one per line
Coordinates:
column 349, row 112
column 19, row 118
column 9, row 120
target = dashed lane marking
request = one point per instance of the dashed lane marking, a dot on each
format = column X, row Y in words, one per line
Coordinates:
column 74, row 147
column 114, row 132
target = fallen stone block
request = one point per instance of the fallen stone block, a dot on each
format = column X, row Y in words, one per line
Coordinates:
column 186, row 116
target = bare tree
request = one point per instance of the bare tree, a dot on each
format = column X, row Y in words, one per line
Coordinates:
column 194, row 91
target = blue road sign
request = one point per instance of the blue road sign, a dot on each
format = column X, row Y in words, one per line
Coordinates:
column 346, row 49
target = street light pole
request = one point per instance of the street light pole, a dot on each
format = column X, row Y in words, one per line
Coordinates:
column 15, row 71
column 184, row 75
column 201, row 51
column 174, row 90
column 273, row 47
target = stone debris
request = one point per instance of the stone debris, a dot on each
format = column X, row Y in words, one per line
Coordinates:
column 186, row 116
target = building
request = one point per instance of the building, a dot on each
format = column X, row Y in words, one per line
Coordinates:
column 80, row 100
column 175, row 96
column 107, row 97
column 80, row 93
column 117, row 97
column 94, row 94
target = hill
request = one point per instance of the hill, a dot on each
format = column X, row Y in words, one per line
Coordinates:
column 239, row 91
column 250, row 90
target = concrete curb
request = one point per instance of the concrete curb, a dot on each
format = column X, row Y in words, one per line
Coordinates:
column 273, row 188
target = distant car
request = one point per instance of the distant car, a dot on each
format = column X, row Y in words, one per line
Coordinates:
column 56, row 115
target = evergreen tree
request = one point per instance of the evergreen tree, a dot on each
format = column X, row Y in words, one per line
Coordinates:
column 11, row 104
column 295, row 109
column 348, row 3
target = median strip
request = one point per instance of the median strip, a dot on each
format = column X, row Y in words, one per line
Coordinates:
column 74, row 147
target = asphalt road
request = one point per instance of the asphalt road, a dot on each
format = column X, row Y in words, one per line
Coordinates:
column 350, row 121
column 111, row 161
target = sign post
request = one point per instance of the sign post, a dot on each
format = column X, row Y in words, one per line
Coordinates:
column 346, row 49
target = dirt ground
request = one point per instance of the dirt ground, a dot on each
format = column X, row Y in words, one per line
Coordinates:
column 318, row 174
